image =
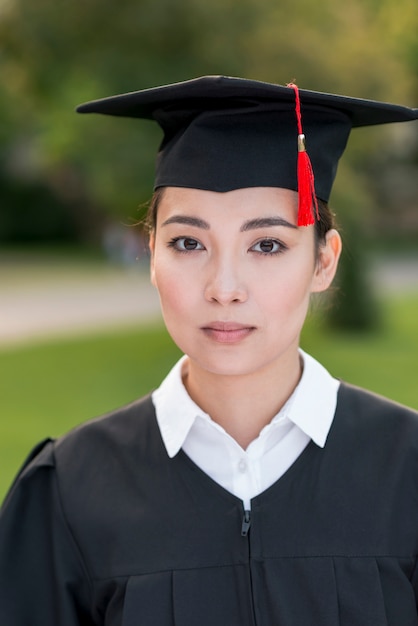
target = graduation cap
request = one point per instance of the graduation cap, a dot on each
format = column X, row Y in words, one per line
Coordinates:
column 223, row 133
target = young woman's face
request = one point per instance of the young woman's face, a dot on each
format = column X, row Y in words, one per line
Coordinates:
column 235, row 274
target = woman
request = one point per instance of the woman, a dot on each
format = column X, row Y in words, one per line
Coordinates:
column 252, row 487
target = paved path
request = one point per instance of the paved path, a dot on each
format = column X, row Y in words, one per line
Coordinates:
column 42, row 299
column 35, row 303
column 396, row 275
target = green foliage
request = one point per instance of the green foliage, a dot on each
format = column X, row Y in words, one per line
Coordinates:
column 35, row 215
column 57, row 54
column 355, row 306
column 354, row 303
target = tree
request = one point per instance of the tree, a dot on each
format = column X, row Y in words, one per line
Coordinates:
column 57, row 53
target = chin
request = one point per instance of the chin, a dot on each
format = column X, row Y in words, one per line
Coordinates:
column 228, row 365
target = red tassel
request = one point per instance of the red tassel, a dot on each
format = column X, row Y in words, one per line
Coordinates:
column 306, row 180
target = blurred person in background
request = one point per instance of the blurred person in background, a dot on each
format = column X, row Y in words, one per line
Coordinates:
column 252, row 487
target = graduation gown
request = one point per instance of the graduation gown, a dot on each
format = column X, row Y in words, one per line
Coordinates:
column 102, row 527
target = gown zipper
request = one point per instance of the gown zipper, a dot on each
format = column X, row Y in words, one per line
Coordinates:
column 246, row 523
column 245, row 528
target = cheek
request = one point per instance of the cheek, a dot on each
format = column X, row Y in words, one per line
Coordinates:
column 177, row 305
column 173, row 289
column 288, row 289
column 288, row 304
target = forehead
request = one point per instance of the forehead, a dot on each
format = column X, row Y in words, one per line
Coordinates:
column 228, row 205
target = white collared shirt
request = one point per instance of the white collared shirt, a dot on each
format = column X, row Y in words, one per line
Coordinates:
column 306, row 416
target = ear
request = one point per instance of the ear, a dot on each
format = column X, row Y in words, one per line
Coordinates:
column 327, row 263
column 151, row 245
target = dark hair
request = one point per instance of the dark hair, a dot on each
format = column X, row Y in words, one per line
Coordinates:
column 150, row 221
column 325, row 222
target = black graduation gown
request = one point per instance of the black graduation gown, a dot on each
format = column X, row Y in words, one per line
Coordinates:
column 101, row 527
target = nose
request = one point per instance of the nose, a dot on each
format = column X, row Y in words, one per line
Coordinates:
column 225, row 284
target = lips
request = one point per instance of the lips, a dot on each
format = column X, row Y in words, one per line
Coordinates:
column 227, row 332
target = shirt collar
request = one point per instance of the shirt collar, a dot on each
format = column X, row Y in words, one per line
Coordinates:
column 315, row 400
column 175, row 410
column 311, row 408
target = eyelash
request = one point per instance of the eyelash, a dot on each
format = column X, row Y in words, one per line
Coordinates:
column 174, row 243
column 281, row 247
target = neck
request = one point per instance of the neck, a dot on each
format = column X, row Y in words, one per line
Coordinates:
column 243, row 405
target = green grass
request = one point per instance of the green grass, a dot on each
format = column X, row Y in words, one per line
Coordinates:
column 47, row 389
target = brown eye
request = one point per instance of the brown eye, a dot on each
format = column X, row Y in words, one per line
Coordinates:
column 190, row 244
column 268, row 246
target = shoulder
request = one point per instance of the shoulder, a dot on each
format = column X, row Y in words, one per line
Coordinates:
column 83, row 472
column 363, row 416
column 128, row 430
column 361, row 402
column 118, row 423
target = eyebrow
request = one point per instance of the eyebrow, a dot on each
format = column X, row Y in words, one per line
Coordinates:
column 258, row 222
column 262, row 222
column 188, row 220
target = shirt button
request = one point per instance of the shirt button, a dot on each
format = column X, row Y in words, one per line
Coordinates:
column 242, row 466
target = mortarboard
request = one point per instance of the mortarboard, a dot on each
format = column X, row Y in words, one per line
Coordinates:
column 223, row 133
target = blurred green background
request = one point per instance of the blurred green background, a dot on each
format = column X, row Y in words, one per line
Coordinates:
column 70, row 185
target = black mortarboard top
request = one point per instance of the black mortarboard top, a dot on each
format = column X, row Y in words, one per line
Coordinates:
column 223, row 133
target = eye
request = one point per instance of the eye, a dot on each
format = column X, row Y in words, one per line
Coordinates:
column 268, row 246
column 185, row 244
